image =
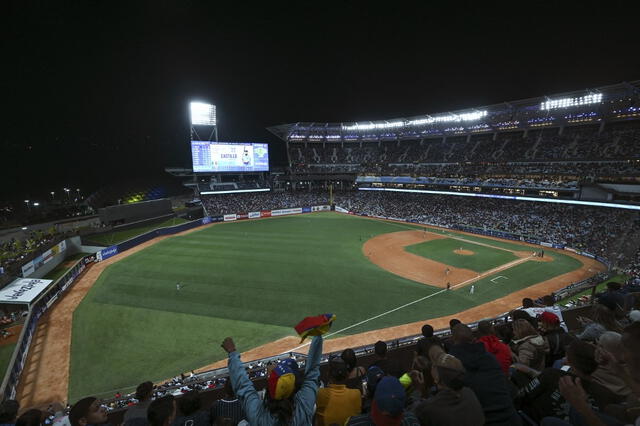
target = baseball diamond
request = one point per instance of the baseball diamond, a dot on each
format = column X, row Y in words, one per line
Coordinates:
column 253, row 279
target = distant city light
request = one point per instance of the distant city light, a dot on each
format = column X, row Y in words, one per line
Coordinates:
column 571, row 102
column 36, row 204
column 203, row 114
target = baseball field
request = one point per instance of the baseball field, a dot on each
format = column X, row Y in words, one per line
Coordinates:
column 254, row 280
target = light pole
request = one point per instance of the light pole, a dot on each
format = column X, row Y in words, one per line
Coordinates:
column 27, row 203
column 53, row 195
column 67, row 191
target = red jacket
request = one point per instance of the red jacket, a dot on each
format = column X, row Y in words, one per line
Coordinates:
column 502, row 352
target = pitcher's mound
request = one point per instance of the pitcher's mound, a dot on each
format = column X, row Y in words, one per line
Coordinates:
column 464, row 252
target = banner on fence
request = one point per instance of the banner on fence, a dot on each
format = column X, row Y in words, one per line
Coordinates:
column 23, row 290
column 283, row 212
column 571, row 249
column 306, row 210
column 265, row 213
column 206, row 220
column 47, row 256
column 546, row 244
column 217, row 218
column 341, row 210
column 558, row 246
column 28, row 269
column 229, row 217
column 106, row 253
column 241, row 216
column 321, row 208
column 254, row 215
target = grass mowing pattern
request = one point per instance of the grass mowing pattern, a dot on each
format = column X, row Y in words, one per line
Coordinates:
column 252, row 280
column 120, row 236
column 483, row 259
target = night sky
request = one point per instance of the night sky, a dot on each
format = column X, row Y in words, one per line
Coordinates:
column 99, row 91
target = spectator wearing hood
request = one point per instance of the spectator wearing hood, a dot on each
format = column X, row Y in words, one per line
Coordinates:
column 528, row 347
column 485, row 378
column 494, row 346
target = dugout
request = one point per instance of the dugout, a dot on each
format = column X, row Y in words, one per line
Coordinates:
column 134, row 212
column 18, row 296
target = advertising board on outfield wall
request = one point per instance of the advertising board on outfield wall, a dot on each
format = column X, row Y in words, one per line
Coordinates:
column 229, row 217
column 30, row 267
column 265, row 213
column 254, row 215
column 23, row 290
column 283, row 212
column 106, row 253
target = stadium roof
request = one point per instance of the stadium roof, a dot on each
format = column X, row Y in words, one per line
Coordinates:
column 614, row 102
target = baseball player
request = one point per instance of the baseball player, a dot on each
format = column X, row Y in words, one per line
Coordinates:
column 472, row 289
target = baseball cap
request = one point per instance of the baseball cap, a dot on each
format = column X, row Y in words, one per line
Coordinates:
column 282, row 380
column 374, row 374
column 549, row 318
column 388, row 402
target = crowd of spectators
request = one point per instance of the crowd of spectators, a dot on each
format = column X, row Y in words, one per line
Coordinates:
column 524, row 369
column 619, row 141
column 613, row 234
column 15, row 252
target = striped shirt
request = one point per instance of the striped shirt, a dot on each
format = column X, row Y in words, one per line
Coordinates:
column 227, row 409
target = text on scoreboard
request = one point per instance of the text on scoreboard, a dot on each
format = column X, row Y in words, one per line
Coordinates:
column 229, row 156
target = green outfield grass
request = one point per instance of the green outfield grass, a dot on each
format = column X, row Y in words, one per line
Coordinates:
column 483, row 259
column 253, row 280
column 5, row 356
column 120, row 236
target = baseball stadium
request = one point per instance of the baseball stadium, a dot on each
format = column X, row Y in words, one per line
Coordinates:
column 385, row 252
column 476, row 265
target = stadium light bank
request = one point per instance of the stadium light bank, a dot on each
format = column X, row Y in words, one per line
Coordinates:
column 450, row 118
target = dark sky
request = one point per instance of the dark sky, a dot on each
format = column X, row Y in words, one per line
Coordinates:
column 94, row 91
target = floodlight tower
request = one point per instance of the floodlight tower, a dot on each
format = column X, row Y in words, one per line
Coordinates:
column 203, row 118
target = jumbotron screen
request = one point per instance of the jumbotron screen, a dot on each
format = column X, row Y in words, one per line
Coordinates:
column 229, row 156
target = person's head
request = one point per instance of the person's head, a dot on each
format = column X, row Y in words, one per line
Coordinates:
column 448, row 372
column 606, row 317
column 548, row 321
column 581, row 356
column 631, row 348
column 349, row 357
column 87, row 411
column 162, row 411
column 189, row 403
column 9, row 411
column 380, row 349
column 522, row 328
column 485, row 328
column 434, row 353
column 634, row 315
column 461, row 333
column 282, row 384
column 374, row 375
column 548, row 300
column 520, row 314
column 527, row 303
column 388, row 401
column 144, row 391
column 427, row 331
column 453, row 322
column 338, row 370
column 31, row 417
column 611, row 342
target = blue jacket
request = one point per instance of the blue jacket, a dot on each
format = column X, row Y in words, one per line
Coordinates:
column 304, row 400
